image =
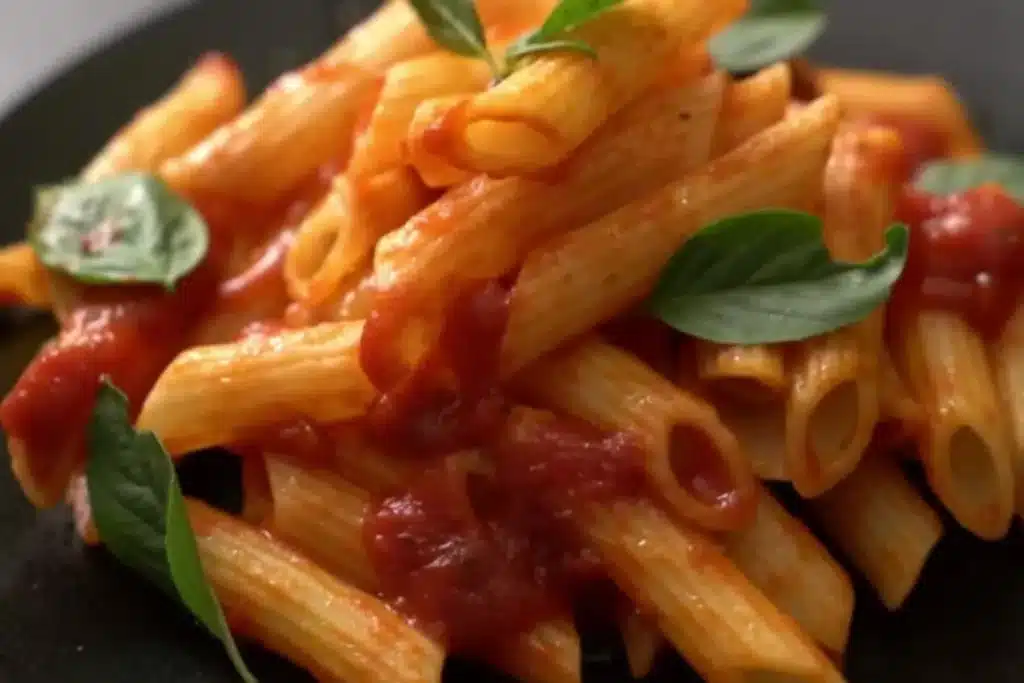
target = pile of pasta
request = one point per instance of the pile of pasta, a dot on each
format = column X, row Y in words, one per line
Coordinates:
column 360, row 197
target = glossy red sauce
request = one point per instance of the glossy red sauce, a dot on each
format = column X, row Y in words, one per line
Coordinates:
column 478, row 559
column 966, row 256
column 448, row 398
column 126, row 334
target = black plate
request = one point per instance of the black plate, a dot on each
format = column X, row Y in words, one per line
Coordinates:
column 68, row 615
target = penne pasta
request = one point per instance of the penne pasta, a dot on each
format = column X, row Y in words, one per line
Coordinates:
column 210, row 94
column 223, row 394
column 322, row 515
column 896, row 404
column 882, row 525
column 391, row 34
column 434, row 169
column 754, row 374
column 786, row 562
column 1007, row 358
column 752, row 104
column 642, row 640
column 485, row 227
column 927, row 100
column 761, row 433
column 339, row 234
column 407, row 85
column 23, row 279
column 832, row 405
column 302, row 122
column 693, row 461
column 718, row 621
column 287, row 603
column 531, row 120
column 594, row 273
column 966, row 446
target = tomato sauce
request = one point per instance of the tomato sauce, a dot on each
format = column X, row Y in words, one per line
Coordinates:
column 479, row 558
column 966, row 255
column 126, row 334
column 447, row 399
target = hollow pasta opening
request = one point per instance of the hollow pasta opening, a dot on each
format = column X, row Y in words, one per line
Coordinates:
column 700, row 467
column 832, row 424
column 972, row 468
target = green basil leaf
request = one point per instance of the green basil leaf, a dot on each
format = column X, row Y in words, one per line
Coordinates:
column 127, row 229
column 772, row 31
column 140, row 513
column 455, row 26
column 766, row 277
column 951, row 176
column 567, row 16
column 519, row 50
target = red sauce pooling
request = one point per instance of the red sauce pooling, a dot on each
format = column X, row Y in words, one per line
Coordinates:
column 126, row 334
column 476, row 559
column 479, row 560
column 449, row 399
column 966, row 256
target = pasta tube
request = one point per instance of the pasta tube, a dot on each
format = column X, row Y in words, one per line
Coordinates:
column 832, row 406
column 594, row 273
column 967, row 446
column 693, row 462
column 532, row 119
column 877, row 519
column 787, row 563
column 290, row 605
column 222, row 394
column 406, row 85
column 300, row 123
column 321, row 514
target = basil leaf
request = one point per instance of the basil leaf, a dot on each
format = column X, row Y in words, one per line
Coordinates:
column 772, row 31
column 140, row 514
column 455, row 26
column 766, row 277
column 130, row 228
column 951, row 176
column 567, row 16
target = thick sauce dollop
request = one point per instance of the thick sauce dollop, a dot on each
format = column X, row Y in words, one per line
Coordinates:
column 966, row 256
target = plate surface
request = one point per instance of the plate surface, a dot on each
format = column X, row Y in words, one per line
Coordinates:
column 74, row 616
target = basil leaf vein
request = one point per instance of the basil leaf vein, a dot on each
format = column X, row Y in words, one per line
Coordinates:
column 140, row 513
column 767, row 277
column 957, row 175
column 127, row 229
column 771, row 31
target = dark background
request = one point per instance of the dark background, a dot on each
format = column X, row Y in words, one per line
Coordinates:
column 74, row 616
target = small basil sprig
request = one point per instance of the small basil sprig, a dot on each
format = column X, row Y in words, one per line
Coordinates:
column 771, row 31
column 456, row 26
column 956, row 175
column 128, row 229
column 567, row 16
column 140, row 513
column 766, row 277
